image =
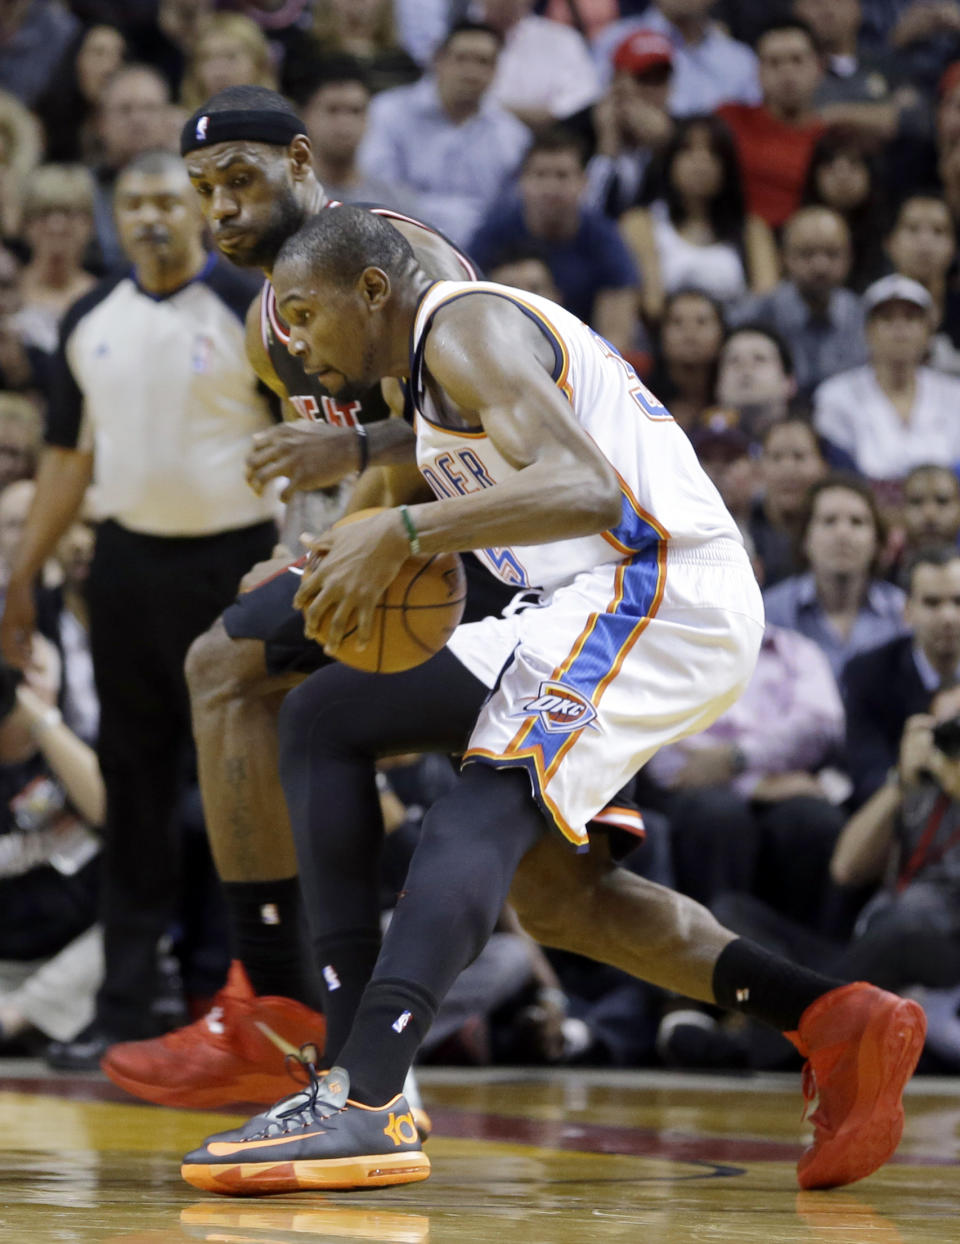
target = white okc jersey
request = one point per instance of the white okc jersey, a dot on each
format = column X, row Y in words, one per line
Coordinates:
column 643, row 634
column 666, row 493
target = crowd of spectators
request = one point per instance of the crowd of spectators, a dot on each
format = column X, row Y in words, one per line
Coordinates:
column 757, row 203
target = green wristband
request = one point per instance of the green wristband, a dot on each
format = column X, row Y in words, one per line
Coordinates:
column 413, row 536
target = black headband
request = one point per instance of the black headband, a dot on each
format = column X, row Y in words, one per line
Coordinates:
column 257, row 125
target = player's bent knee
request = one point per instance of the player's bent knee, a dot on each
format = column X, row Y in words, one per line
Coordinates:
column 551, row 886
column 218, row 666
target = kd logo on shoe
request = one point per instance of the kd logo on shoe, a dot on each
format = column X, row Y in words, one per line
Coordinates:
column 561, row 709
column 401, row 1129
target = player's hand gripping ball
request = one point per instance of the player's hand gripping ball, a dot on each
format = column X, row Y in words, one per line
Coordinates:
column 413, row 618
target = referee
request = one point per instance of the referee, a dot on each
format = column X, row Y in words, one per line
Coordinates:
column 155, row 404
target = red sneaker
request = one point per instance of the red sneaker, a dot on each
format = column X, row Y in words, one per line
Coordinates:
column 862, row 1045
column 235, row 1053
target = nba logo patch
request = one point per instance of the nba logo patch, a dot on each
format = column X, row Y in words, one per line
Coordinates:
column 201, row 130
column 560, row 708
column 202, row 355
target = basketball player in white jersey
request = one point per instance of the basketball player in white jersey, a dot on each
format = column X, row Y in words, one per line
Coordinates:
column 551, row 457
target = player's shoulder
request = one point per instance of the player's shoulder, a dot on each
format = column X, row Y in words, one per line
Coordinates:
column 236, row 288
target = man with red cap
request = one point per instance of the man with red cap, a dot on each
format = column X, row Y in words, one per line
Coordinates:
column 631, row 122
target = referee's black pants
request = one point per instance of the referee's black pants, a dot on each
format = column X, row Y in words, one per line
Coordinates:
column 149, row 598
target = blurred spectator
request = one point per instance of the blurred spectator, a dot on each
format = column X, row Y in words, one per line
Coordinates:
column 747, row 810
column 525, row 268
column 859, row 89
column 931, row 507
column 698, row 234
column 755, row 378
column 895, row 412
column 922, row 245
column 724, row 452
column 71, row 632
column 930, row 517
column 685, row 375
column 164, row 36
column 444, row 139
column 422, row 26
column 821, row 319
column 68, row 107
column 21, row 434
column 923, row 34
column 364, row 29
column 57, row 225
column 545, row 71
column 839, row 602
column 791, row 462
column 21, row 142
column 747, row 19
column 23, row 367
column 33, row 35
column 164, row 430
column 710, row 68
column 841, row 177
column 589, row 260
column 630, row 123
column 51, row 793
column 906, row 836
column 886, row 685
column 133, row 118
column 15, row 502
column 335, row 112
column 776, row 137
column 229, row 50
column 590, row 16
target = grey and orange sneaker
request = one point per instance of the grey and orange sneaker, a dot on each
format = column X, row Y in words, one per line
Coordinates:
column 316, row 1139
column 862, row 1045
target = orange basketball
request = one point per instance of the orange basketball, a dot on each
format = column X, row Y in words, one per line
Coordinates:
column 416, row 616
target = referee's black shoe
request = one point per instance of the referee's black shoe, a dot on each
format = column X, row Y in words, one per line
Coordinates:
column 83, row 1052
column 316, row 1139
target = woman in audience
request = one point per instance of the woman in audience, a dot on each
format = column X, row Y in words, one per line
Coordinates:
column 922, row 245
column 21, row 144
column 839, row 602
column 691, row 334
column 51, row 794
column 364, row 29
column 230, row 50
column 841, row 177
column 57, row 226
column 698, row 233
column 68, row 106
column 791, row 461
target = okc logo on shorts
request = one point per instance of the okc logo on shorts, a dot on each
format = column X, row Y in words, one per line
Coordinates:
column 561, row 709
column 201, row 131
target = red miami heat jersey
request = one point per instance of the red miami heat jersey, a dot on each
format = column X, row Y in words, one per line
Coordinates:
column 307, row 396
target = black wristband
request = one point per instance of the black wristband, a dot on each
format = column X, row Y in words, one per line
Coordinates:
column 364, row 447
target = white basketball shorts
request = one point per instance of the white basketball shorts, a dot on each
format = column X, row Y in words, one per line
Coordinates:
column 587, row 685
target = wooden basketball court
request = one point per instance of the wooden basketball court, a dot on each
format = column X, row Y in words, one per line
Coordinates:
column 517, row 1156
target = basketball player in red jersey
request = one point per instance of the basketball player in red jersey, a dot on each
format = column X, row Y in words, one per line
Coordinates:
column 250, row 164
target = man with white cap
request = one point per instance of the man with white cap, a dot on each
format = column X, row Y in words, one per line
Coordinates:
column 895, row 412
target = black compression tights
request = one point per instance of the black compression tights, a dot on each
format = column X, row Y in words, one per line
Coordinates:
column 332, row 729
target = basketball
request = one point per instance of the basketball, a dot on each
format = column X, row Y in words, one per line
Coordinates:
column 416, row 616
